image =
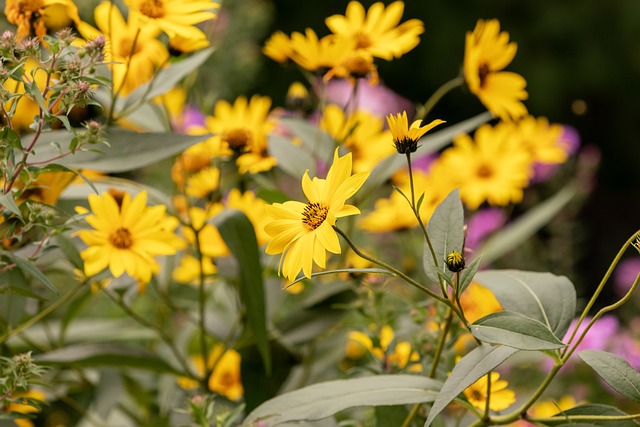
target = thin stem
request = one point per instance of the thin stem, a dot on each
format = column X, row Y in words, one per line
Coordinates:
column 438, row 94
column 441, row 341
column 42, row 314
column 202, row 298
column 487, row 405
column 411, row 415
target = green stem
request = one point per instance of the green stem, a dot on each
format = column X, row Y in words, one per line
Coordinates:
column 202, row 296
column 438, row 94
column 441, row 341
column 573, row 418
column 412, row 414
column 42, row 314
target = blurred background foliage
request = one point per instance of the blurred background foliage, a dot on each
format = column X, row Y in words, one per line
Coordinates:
column 580, row 59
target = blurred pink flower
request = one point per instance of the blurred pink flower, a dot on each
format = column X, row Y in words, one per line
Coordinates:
column 483, row 223
column 625, row 274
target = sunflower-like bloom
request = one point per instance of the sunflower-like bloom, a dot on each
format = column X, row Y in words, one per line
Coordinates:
column 303, row 232
column 542, row 139
column 487, row 52
column 278, row 47
column 225, row 378
column 319, row 54
column 33, row 17
column 362, row 133
column 377, row 31
column 127, row 236
column 243, row 128
column 406, row 138
column 492, row 168
column 127, row 45
column 500, row 398
column 399, row 356
column 203, row 183
column 177, row 18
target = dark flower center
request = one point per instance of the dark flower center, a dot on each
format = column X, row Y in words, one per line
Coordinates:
column 121, row 238
column 152, row 8
column 484, row 171
column 314, row 215
column 238, row 140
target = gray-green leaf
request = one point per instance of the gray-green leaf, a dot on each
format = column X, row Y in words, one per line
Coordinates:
column 515, row 330
column 615, row 371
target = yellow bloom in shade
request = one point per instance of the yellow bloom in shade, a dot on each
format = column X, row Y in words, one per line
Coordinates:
column 487, row 52
column 174, row 17
column 253, row 207
column 500, row 398
column 406, row 138
column 399, row 356
column 225, row 378
column 491, row 167
column 133, row 53
column 27, row 107
column 376, row 31
column 22, row 406
column 203, row 183
column 303, row 232
column 47, row 186
column 197, row 157
column 33, row 17
column 477, row 301
column 361, row 132
column 126, row 237
column 243, row 128
column 541, row 139
column 549, row 408
column 189, row 269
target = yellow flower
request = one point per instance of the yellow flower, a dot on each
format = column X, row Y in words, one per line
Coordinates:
column 492, row 168
column 126, row 238
column 197, row 157
column 180, row 44
column 303, row 232
column 477, row 301
column 22, row 406
column 47, row 187
column 549, row 408
column 243, row 128
column 225, row 378
column 500, row 398
column 133, row 52
column 211, row 243
column 359, row 344
column 189, row 269
column 174, row 17
column 253, row 207
column 487, row 52
column 27, row 107
column 542, row 140
column 203, row 183
column 406, row 138
column 33, row 17
column 278, row 47
column 362, row 133
column 377, row 31
column 319, row 55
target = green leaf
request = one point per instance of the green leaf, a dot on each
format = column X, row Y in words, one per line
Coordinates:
column 477, row 363
column 316, row 142
column 467, row 275
column 116, row 355
column 515, row 233
column 591, row 409
column 237, row 232
column 167, row 78
column 8, row 202
column 31, row 269
column 545, row 297
column 325, row 399
column 429, row 143
column 127, row 151
column 615, row 371
column 515, row 330
column 446, row 232
column 292, row 158
column 70, row 251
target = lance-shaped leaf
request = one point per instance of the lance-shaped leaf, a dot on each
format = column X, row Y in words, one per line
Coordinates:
column 127, row 150
column 515, row 330
column 446, row 232
column 545, row 297
column 615, row 371
column 292, row 158
column 325, row 399
column 237, row 232
column 467, row 371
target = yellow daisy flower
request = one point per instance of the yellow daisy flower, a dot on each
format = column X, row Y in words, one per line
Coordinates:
column 477, row 301
column 278, row 47
column 189, row 269
column 550, row 407
column 47, row 187
column 406, row 138
column 319, row 55
column 361, row 132
column 487, row 52
column 133, row 53
column 491, row 168
column 211, row 242
column 126, row 238
column 376, row 31
column 500, row 398
column 400, row 356
column 22, row 406
column 225, row 378
column 541, row 139
column 177, row 18
column 303, row 232
column 253, row 207
column 33, row 17
column 197, row 157
column 203, row 183
column 243, row 128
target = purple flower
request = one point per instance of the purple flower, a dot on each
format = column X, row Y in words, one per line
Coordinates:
column 191, row 117
column 626, row 274
column 570, row 141
column 378, row 99
column 483, row 223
